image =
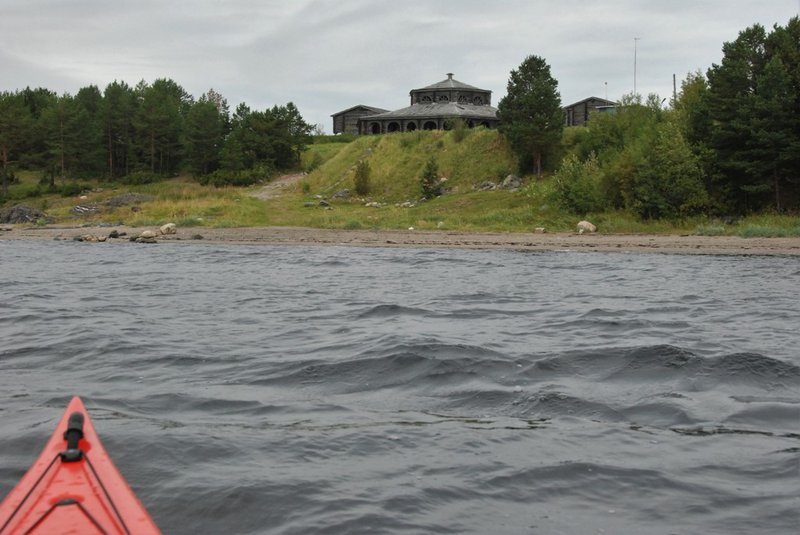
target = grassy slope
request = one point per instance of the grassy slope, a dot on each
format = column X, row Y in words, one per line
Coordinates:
column 397, row 160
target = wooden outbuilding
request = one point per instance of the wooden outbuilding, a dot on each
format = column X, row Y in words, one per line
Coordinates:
column 346, row 121
column 578, row 114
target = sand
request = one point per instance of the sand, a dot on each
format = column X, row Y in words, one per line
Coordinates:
column 669, row 244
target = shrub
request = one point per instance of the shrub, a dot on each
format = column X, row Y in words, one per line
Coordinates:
column 72, row 189
column 141, row 177
column 247, row 177
column 10, row 177
column 353, row 225
column 577, row 185
column 361, row 180
column 430, row 182
column 668, row 181
column 459, row 129
column 710, row 230
column 315, row 162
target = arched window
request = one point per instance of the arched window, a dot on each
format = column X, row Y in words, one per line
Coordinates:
column 443, row 98
column 375, row 128
column 463, row 99
column 429, row 125
column 426, row 99
column 410, row 127
column 485, row 124
column 478, row 100
column 393, row 127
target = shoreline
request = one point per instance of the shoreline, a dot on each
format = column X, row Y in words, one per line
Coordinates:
column 640, row 243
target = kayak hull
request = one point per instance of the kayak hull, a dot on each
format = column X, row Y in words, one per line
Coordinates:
column 74, row 487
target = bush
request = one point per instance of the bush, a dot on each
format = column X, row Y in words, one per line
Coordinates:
column 353, row 225
column 73, row 189
column 11, row 178
column 361, row 179
column 141, row 177
column 430, row 182
column 315, row 162
column 710, row 230
column 459, row 129
column 247, row 177
column 668, row 181
column 577, row 185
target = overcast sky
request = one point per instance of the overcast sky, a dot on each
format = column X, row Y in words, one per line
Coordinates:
column 329, row 55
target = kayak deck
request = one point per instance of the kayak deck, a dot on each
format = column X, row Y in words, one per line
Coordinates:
column 74, row 487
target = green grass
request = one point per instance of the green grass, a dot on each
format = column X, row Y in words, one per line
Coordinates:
column 711, row 230
column 760, row 231
column 397, row 161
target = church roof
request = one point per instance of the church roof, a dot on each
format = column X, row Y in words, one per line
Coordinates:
column 438, row 109
column 450, row 83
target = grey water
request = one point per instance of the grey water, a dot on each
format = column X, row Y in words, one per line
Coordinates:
column 296, row 390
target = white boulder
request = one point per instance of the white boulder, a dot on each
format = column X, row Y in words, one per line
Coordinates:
column 169, row 228
column 585, row 226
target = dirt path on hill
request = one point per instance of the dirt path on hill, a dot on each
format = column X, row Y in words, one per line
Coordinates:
column 276, row 187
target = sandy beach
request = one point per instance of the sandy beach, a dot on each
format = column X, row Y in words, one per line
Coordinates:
column 667, row 244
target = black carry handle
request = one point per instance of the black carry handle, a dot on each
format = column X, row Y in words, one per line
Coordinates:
column 73, row 435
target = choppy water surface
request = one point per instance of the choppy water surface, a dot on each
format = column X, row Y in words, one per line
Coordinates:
column 343, row 390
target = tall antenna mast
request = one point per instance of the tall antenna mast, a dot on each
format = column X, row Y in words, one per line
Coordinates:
column 635, row 43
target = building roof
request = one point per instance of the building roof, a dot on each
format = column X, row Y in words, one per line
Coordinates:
column 373, row 109
column 450, row 83
column 438, row 109
column 604, row 102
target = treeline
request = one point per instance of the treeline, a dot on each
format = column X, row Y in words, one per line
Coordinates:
column 729, row 144
column 142, row 133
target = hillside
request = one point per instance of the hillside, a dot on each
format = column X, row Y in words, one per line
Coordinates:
column 397, row 161
column 466, row 159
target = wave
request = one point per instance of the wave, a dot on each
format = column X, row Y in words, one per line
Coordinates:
column 390, row 310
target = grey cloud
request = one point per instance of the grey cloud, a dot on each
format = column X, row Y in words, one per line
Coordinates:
column 327, row 55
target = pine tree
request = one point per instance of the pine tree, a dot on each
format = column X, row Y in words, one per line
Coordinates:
column 62, row 124
column 205, row 131
column 430, row 182
column 530, row 113
column 15, row 127
column 754, row 107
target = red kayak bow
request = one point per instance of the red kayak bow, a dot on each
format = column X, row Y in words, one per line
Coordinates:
column 73, row 487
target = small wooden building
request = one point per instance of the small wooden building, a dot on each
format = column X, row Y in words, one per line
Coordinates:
column 346, row 121
column 577, row 114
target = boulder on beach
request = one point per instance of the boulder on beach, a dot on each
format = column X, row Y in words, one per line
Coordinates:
column 169, row 228
column 148, row 236
column 585, row 226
